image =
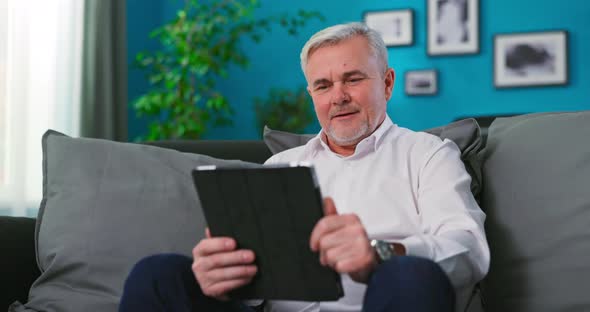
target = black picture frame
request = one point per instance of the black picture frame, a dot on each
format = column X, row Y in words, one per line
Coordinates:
column 423, row 82
column 531, row 59
column 452, row 27
column 395, row 26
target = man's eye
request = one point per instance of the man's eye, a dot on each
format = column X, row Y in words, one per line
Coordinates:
column 323, row 87
column 355, row 80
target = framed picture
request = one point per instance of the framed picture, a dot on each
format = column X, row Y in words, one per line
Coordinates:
column 453, row 27
column 395, row 26
column 530, row 59
column 421, row 82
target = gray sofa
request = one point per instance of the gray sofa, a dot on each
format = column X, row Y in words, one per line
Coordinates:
column 535, row 189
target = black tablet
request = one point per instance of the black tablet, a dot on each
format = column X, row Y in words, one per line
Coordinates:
column 272, row 211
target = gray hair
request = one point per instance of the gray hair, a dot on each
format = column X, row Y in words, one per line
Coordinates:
column 335, row 34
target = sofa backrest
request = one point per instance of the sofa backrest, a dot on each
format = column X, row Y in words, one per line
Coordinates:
column 17, row 263
column 246, row 150
column 536, row 193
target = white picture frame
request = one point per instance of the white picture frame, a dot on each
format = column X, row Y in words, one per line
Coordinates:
column 421, row 82
column 531, row 59
column 453, row 27
column 395, row 26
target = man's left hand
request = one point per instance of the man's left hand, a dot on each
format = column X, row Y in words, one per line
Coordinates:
column 343, row 243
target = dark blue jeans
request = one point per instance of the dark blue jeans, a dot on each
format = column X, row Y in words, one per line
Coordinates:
column 166, row 283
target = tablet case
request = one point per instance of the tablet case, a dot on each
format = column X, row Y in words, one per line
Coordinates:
column 272, row 211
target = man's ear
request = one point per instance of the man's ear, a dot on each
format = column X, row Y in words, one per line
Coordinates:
column 389, row 82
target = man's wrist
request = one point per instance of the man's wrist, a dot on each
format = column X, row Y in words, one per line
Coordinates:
column 399, row 249
column 386, row 250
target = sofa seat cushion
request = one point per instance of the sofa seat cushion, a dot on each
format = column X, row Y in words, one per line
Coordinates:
column 536, row 193
column 18, row 267
column 105, row 206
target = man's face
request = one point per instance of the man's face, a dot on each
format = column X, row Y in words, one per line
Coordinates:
column 349, row 89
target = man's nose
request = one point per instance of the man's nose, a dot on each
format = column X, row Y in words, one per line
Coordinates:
column 339, row 94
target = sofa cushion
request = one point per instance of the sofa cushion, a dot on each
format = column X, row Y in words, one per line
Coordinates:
column 465, row 133
column 105, row 206
column 278, row 141
column 17, row 261
column 536, row 170
column 247, row 150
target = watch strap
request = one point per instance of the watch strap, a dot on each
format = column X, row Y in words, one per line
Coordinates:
column 384, row 250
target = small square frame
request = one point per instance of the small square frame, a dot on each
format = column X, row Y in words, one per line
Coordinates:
column 395, row 26
column 531, row 59
column 421, row 82
column 453, row 27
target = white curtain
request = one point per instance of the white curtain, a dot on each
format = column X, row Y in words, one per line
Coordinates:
column 40, row 69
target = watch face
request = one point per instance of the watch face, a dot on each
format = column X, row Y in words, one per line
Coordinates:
column 384, row 249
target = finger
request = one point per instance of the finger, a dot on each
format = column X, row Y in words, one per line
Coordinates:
column 350, row 240
column 344, row 259
column 224, row 259
column 207, row 232
column 329, row 207
column 232, row 273
column 222, row 288
column 318, row 231
column 214, row 245
column 327, row 225
column 353, row 264
column 352, row 234
column 329, row 256
column 340, row 253
column 334, row 239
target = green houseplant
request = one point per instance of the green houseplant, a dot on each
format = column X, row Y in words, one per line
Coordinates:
column 197, row 46
column 284, row 110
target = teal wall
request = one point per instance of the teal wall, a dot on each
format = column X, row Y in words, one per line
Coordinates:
column 142, row 17
column 465, row 82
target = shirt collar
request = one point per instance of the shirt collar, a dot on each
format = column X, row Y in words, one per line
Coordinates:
column 370, row 143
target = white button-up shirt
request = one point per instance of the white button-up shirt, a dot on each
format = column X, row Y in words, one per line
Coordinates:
column 406, row 187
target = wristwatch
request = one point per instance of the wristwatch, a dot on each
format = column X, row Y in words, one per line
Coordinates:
column 383, row 249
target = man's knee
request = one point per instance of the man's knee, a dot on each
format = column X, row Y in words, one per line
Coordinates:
column 160, row 268
column 163, row 282
column 409, row 280
column 408, row 268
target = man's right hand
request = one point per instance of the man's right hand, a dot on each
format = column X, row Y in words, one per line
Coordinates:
column 220, row 268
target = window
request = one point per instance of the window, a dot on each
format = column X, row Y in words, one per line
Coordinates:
column 3, row 165
column 3, row 113
column 40, row 62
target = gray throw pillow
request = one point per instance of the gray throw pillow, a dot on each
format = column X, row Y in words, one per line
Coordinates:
column 278, row 141
column 105, row 206
column 465, row 133
column 536, row 170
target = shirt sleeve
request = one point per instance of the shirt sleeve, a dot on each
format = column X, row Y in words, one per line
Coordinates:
column 274, row 159
column 452, row 222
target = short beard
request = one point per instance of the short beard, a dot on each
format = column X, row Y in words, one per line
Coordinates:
column 352, row 139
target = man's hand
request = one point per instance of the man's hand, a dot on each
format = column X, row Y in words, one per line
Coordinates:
column 343, row 243
column 220, row 268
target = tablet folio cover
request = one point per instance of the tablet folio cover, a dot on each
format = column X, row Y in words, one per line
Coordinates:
column 272, row 211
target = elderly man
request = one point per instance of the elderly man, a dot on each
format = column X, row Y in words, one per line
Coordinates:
column 401, row 225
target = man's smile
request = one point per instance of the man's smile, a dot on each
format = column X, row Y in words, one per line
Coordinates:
column 343, row 115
